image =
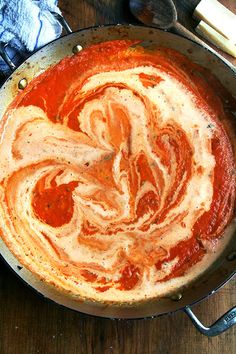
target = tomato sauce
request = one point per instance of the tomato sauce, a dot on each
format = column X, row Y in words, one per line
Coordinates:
column 59, row 92
column 129, row 278
column 54, row 205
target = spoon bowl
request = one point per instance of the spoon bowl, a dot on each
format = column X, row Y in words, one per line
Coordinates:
column 161, row 13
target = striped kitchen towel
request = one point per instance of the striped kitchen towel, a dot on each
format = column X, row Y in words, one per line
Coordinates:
column 27, row 25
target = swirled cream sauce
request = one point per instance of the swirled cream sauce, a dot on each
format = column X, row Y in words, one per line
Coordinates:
column 116, row 174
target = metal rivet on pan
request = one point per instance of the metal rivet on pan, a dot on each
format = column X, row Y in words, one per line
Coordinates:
column 231, row 256
column 77, row 48
column 176, row 297
column 22, row 84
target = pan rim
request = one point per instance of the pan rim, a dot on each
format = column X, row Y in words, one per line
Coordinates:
column 127, row 26
column 155, row 315
column 110, row 25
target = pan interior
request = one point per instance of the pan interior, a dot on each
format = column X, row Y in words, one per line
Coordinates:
column 223, row 268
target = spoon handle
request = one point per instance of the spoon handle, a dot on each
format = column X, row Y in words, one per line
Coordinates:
column 179, row 29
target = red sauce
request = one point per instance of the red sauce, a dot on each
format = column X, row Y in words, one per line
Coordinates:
column 57, row 92
column 54, row 205
column 129, row 277
column 89, row 276
column 101, row 289
column 209, row 225
column 149, row 80
column 150, row 201
column 189, row 252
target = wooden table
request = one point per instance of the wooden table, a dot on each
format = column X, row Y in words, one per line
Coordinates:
column 29, row 324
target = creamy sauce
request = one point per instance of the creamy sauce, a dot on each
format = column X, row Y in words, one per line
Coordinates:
column 116, row 175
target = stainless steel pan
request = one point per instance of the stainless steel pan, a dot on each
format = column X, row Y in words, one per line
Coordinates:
column 224, row 268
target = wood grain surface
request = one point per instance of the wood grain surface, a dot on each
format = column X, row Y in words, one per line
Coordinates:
column 30, row 324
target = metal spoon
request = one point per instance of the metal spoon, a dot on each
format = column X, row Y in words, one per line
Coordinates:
column 163, row 14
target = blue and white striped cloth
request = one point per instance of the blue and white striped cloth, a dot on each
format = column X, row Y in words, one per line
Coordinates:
column 27, row 25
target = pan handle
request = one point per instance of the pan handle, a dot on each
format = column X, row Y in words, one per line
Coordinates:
column 218, row 327
column 5, row 57
column 62, row 22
